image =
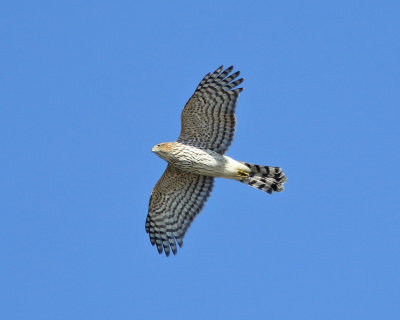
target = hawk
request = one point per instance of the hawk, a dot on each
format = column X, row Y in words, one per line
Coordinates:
column 197, row 157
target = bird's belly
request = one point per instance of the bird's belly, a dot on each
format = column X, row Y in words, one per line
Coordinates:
column 202, row 163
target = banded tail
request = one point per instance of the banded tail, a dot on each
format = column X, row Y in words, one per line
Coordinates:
column 268, row 179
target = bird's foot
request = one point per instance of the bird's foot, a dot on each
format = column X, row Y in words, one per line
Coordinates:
column 241, row 174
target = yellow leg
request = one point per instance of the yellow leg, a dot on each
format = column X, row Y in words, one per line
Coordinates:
column 241, row 174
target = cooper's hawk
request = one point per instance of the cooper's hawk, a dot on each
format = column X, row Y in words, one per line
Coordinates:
column 208, row 124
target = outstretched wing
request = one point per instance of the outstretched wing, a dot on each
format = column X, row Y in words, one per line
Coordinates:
column 208, row 119
column 176, row 200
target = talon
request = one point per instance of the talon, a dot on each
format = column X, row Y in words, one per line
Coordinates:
column 241, row 174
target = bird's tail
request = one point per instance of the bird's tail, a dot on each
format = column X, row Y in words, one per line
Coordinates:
column 268, row 179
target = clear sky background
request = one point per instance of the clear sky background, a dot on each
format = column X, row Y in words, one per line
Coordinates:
column 88, row 87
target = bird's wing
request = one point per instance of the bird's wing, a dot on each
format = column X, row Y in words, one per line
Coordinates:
column 208, row 119
column 177, row 198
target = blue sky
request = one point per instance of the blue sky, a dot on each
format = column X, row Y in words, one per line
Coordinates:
column 87, row 88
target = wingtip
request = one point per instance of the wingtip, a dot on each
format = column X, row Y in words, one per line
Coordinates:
column 219, row 69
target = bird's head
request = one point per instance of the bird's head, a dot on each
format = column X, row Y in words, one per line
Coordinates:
column 162, row 150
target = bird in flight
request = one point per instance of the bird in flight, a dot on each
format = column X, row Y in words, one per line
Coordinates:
column 197, row 157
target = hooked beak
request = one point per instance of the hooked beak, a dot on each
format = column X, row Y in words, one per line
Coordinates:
column 155, row 149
